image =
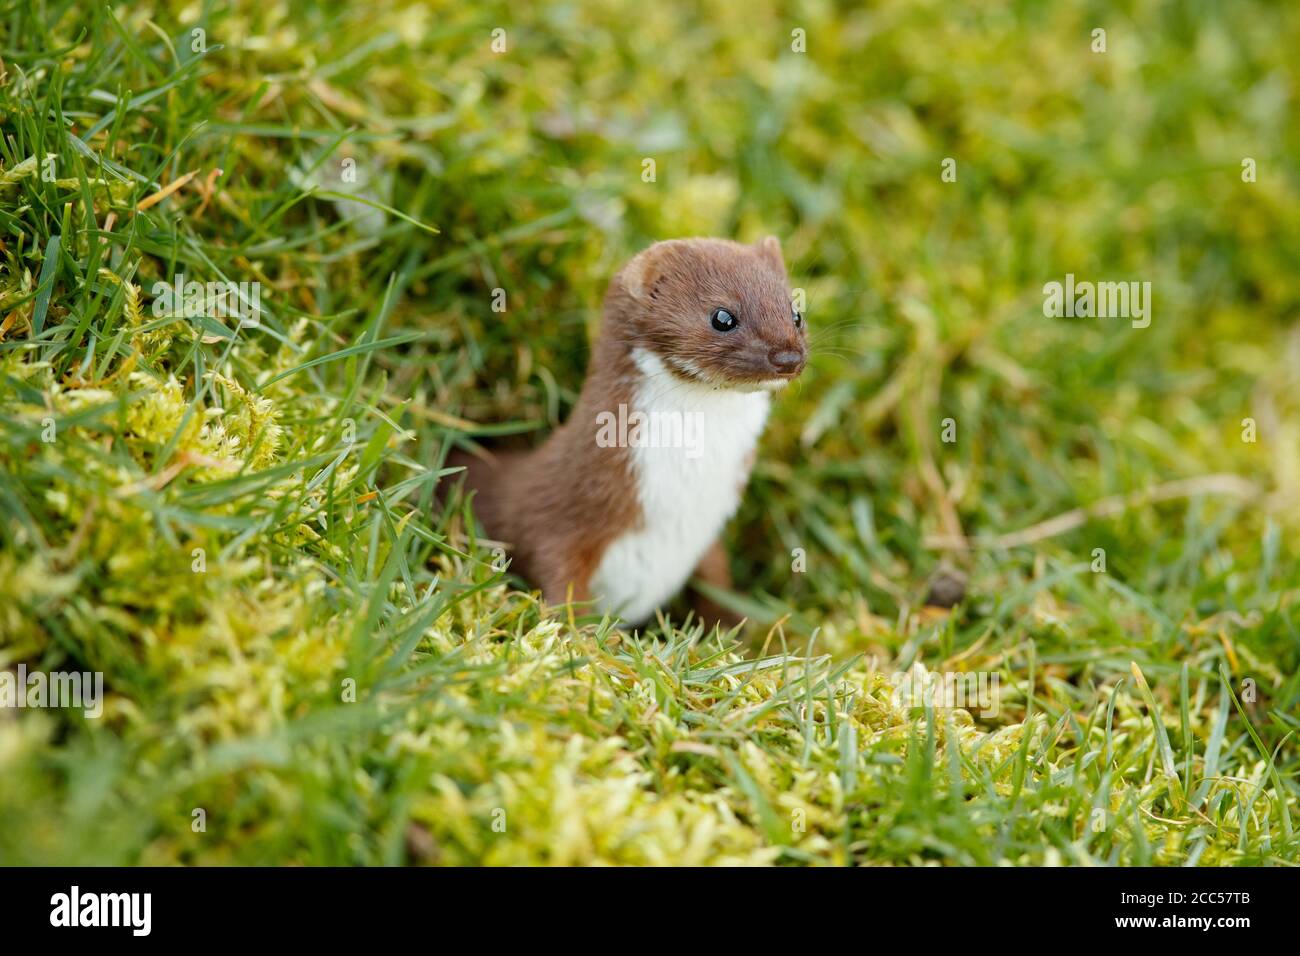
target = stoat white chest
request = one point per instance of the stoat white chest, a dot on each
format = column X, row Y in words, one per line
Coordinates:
column 691, row 448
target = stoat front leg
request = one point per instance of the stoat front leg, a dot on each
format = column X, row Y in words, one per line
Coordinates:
column 714, row 569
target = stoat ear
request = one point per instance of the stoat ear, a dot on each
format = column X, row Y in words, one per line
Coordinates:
column 770, row 250
column 639, row 275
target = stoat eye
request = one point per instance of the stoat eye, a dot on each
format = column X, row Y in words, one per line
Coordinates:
column 798, row 317
column 723, row 320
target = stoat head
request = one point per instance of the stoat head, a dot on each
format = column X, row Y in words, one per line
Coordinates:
column 715, row 312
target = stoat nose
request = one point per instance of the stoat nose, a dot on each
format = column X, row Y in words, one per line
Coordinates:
column 785, row 361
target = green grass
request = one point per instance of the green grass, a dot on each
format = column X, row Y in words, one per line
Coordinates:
column 1148, row 713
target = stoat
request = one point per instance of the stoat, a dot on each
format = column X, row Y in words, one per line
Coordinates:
column 626, row 500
